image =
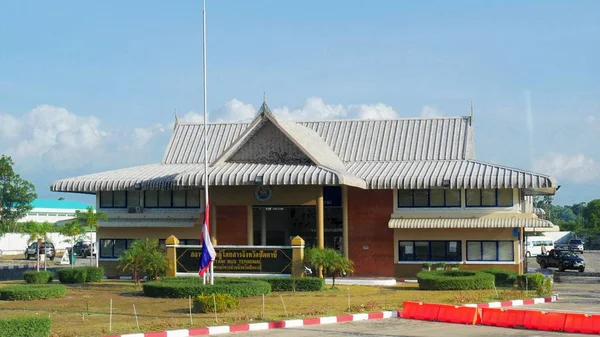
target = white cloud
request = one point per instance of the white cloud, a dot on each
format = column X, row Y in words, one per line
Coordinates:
column 9, row 126
column 315, row 108
column 235, row 110
column 577, row 168
column 428, row 111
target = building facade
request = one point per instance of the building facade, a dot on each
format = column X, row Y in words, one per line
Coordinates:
column 389, row 194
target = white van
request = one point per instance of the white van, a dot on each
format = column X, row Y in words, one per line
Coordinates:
column 534, row 245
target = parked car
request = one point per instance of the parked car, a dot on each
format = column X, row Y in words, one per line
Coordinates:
column 84, row 248
column 576, row 245
column 561, row 259
column 46, row 247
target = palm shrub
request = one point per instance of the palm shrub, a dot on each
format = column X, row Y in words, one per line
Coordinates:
column 144, row 256
column 330, row 261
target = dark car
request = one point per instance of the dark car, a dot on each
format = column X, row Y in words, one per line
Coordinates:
column 84, row 248
column 46, row 247
column 561, row 259
column 576, row 245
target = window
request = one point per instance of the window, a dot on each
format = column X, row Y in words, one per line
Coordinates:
column 133, row 198
column 428, row 198
column 490, row 251
column 113, row 248
column 429, row 251
column 490, row 198
column 113, row 199
column 172, row 199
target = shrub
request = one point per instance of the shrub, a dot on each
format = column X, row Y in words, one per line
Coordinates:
column 302, row 284
column 35, row 277
column 207, row 303
column 537, row 282
column 192, row 286
column 93, row 274
column 25, row 327
column 32, row 292
column 144, row 255
column 80, row 275
column 503, row 278
column 454, row 280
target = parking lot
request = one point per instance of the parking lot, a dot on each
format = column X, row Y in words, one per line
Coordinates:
column 591, row 257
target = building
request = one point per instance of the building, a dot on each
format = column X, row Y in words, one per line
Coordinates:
column 54, row 211
column 389, row 194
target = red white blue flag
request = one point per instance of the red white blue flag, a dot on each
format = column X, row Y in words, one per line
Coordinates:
column 208, row 251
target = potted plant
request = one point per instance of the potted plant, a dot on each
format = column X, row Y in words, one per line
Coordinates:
column 427, row 266
column 455, row 266
column 440, row 266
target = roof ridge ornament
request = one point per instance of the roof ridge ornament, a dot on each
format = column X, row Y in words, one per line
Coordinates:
column 471, row 120
column 176, row 119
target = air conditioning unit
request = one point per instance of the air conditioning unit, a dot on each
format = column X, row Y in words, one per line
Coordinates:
column 136, row 209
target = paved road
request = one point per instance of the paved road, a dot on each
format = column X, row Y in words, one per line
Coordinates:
column 591, row 257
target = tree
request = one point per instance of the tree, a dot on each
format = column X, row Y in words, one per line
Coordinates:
column 16, row 196
column 144, row 255
column 37, row 231
column 591, row 214
column 90, row 218
column 332, row 262
column 73, row 230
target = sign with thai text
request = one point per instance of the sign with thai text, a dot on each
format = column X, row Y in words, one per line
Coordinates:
column 238, row 260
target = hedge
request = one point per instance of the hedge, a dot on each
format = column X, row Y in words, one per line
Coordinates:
column 301, row 284
column 32, row 292
column 25, row 327
column 81, row 275
column 537, row 282
column 182, row 287
column 38, row 277
column 504, row 278
column 220, row 303
column 454, row 280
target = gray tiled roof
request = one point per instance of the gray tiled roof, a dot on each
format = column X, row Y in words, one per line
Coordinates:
column 469, row 223
column 460, row 173
column 352, row 140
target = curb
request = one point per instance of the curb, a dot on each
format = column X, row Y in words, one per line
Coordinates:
column 515, row 303
column 292, row 323
column 117, row 277
column 19, row 266
column 215, row 330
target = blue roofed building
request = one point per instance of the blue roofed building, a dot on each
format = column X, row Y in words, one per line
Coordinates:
column 54, row 211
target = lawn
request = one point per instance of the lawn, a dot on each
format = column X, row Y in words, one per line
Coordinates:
column 85, row 309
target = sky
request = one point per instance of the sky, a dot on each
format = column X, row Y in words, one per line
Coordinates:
column 88, row 86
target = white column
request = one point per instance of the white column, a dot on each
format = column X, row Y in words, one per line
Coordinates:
column 263, row 226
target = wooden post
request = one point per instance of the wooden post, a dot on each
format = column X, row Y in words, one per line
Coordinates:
column 250, row 226
column 320, row 225
column 297, row 257
column 172, row 255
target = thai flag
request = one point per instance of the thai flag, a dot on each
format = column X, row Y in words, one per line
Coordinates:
column 208, row 251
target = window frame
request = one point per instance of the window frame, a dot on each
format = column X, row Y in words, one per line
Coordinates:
column 497, row 198
column 497, row 242
column 112, row 204
column 412, row 193
column 187, row 206
column 112, row 255
column 429, row 255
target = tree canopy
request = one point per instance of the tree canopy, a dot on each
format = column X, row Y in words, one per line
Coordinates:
column 16, row 196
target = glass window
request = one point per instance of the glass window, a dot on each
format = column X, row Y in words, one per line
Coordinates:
column 193, row 198
column 406, row 251
column 133, row 198
column 179, row 198
column 421, row 198
column 436, row 198
column 119, row 247
column 106, row 199
column 488, row 198
column 422, row 250
column 164, row 198
column 453, row 251
column 473, row 198
column 119, row 199
column 505, row 197
column 452, row 198
column 506, row 251
column 106, row 248
column 405, row 198
column 490, row 252
column 474, row 250
column 150, row 198
column 438, row 250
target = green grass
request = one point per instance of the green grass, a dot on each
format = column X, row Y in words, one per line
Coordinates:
column 157, row 314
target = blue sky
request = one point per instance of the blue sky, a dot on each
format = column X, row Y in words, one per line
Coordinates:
column 89, row 86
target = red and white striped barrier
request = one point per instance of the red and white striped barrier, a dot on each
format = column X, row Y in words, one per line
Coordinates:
column 514, row 303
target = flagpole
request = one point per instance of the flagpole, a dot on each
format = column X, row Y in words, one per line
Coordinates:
column 206, row 202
